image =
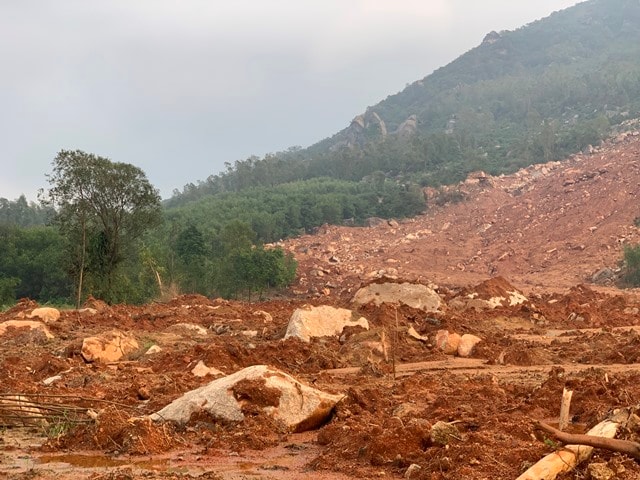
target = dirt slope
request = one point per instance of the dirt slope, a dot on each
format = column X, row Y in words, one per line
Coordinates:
column 551, row 225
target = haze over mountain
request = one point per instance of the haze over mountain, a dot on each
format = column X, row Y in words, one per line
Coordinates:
column 538, row 93
column 198, row 83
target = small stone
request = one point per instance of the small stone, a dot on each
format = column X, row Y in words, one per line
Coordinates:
column 442, row 432
column 51, row 380
column 447, row 342
column 144, row 393
column 467, row 343
column 600, row 471
column 201, row 370
column 413, row 471
column 153, row 349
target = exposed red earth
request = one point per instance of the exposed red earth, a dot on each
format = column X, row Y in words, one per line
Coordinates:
column 545, row 242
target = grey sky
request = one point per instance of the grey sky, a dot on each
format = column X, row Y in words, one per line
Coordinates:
column 178, row 87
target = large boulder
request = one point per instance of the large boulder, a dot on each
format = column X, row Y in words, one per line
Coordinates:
column 257, row 389
column 322, row 321
column 30, row 324
column 413, row 295
column 108, row 347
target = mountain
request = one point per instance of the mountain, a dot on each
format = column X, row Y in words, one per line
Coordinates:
column 539, row 93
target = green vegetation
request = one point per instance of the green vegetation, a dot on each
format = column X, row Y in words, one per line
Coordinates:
column 103, row 208
column 631, row 270
column 532, row 95
column 527, row 96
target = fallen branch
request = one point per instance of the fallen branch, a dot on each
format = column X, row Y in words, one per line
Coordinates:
column 566, row 459
column 612, row 444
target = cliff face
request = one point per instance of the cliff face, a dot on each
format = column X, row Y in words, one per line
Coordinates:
column 363, row 128
column 370, row 127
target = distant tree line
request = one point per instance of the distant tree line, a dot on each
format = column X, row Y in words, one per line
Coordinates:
column 532, row 95
column 106, row 235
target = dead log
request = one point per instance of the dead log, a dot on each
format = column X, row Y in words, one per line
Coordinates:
column 612, row 444
column 566, row 459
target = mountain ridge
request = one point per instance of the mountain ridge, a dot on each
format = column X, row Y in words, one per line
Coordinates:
column 534, row 94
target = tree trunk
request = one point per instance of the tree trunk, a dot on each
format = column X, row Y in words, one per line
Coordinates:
column 569, row 456
column 82, row 260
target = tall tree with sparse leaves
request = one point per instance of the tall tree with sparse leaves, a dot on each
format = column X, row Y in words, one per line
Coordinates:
column 102, row 207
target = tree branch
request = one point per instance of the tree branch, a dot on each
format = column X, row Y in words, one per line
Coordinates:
column 612, row 444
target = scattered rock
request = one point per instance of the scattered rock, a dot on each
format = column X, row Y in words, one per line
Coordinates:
column 188, row 329
column 201, row 370
column 143, row 393
column 604, row 276
column 411, row 294
column 467, row 344
column 413, row 334
column 97, row 305
column 30, row 324
column 51, row 380
column 265, row 315
column 413, row 471
column 442, row 433
column 109, row 347
column 88, row 311
column 447, row 342
column 296, row 407
column 153, row 349
column 322, row 321
column 600, row 471
column 46, row 314
column 374, row 221
column 490, row 294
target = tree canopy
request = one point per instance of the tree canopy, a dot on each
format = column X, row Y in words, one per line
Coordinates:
column 103, row 207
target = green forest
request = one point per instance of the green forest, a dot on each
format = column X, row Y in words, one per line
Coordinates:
column 539, row 93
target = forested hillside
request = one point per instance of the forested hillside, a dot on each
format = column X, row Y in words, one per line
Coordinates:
column 538, row 93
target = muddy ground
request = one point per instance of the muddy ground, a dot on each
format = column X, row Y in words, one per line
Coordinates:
column 587, row 340
column 547, row 230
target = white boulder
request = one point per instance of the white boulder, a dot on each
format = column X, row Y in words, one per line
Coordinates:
column 322, row 321
column 292, row 404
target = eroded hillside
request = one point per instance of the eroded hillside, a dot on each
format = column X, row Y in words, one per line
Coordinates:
column 548, row 226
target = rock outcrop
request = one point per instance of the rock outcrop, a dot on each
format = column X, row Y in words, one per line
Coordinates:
column 363, row 128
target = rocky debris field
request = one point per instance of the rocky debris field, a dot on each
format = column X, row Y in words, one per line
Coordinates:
column 422, row 349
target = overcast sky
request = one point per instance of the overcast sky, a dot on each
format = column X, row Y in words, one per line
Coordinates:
column 178, row 87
